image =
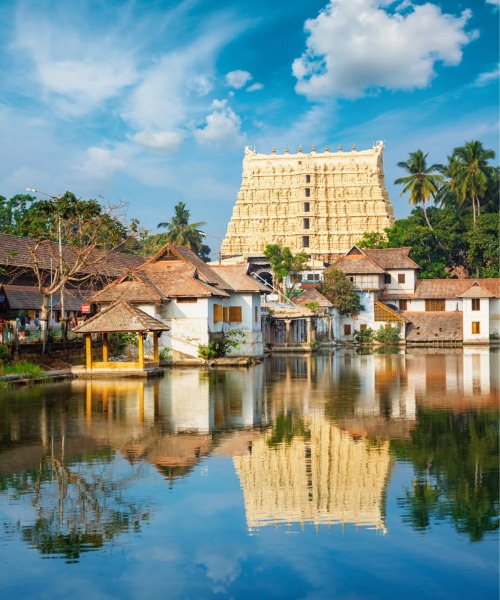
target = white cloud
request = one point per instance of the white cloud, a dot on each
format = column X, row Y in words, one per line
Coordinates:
column 161, row 140
column 74, row 72
column 355, row 46
column 238, row 79
column 494, row 2
column 487, row 77
column 255, row 87
column 222, row 127
column 101, row 163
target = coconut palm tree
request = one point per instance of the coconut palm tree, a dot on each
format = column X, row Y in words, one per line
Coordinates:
column 181, row 232
column 473, row 174
column 422, row 182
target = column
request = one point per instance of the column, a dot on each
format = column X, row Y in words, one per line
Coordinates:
column 105, row 348
column 287, row 331
column 88, row 351
column 141, row 350
column 156, row 353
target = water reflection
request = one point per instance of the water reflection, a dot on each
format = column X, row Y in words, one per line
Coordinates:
column 313, row 440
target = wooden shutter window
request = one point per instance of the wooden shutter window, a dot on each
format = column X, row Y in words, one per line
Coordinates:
column 218, row 314
column 235, row 314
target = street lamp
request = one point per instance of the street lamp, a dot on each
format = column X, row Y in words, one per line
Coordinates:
column 59, row 240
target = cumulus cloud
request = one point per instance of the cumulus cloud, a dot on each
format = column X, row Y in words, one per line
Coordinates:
column 355, row 46
column 494, row 2
column 101, row 163
column 222, row 127
column 160, row 140
column 238, row 79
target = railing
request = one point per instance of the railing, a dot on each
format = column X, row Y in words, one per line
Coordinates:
column 32, row 335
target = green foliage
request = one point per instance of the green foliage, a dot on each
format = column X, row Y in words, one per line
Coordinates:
column 284, row 263
column 23, row 367
column 314, row 306
column 387, row 335
column 165, row 353
column 314, row 345
column 118, row 342
column 455, row 458
column 364, row 336
column 221, row 343
column 4, row 354
column 183, row 233
column 338, row 288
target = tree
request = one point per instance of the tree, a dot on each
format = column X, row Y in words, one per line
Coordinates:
column 183, row 233
column 422, row 182
column 338, row 288
column 472, row 174
column 69, row 242
column 284, row 263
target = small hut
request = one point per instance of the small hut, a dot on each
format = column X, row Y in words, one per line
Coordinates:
column 120, row 317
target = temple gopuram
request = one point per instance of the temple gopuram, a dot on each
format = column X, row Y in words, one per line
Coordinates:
column 320, row 203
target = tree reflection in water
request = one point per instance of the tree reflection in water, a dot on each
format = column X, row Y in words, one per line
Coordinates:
column 80, row 506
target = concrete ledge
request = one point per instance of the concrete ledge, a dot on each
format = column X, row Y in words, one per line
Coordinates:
column 82, row 373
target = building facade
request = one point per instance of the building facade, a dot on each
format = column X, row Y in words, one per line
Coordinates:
column 320, row 203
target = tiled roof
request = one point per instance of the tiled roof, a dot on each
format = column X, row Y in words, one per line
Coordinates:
column 22, row 297
column 133, row 286
column 120, row 317
column 391, row 258
column 452, row 288
column 476, row 291
column 15, row 252
column 237, row 277
column 434, row 326
column 312, row 295
column 356, row 264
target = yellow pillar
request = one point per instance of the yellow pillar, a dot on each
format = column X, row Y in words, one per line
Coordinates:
column 88, row 396
column 105, row 348
column 88, row 351
column 156, row 351
column 141, row 350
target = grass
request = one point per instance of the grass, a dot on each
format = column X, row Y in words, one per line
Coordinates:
column 24, row 367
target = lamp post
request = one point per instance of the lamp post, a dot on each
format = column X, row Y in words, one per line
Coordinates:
column 59, row 241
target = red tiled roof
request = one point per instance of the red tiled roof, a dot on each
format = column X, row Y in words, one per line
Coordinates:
column 237, row 277
column 120, row 317
column 23, row 297
column 452, row 288
column 356, row 264
column 391, row 258
column 312, row 295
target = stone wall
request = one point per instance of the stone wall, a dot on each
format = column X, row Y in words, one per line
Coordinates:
column 321, row 202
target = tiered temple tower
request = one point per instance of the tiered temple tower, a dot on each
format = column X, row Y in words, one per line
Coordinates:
column 321, row 202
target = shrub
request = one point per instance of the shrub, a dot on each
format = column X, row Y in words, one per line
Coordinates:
column 314, row 345
column 220, row 344
column 389, row 335
column 165, row 353
column 364, row 336
column 4, row 354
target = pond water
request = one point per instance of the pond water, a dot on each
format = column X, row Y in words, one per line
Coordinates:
column 328, row 476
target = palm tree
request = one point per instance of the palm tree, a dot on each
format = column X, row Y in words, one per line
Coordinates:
column 473, row 174
column 181, row 232
column 422, row 182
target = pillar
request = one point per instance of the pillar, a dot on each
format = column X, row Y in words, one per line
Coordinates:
column 141, row 350
column 287, row 331
column 88, row 351
column 105, row 348
column 156, row 352
column 308, row 330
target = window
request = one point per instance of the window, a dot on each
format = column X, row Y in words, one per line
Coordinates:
column 256, row 314
column 476, row 304
column 235, row 314
column 187, row 300
column 363, row 326
column 305, row 241
column 347, row 330
column 225, row 312
column 435, row 305
column 476, row 327
column 296, row 277
column 218, row 313
column 403, row 305
column 307, row 192
column 401, row 278
column 308, row 179
column 306, row 223
column 387, row 278
column 351, row 279
column 307, row 207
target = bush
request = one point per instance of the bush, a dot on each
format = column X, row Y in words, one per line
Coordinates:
column 118, row 342
column 4, row 354
column 165, row 353
column 364, row 336
column 314, row 345
column 220, row 344
column 389, row 335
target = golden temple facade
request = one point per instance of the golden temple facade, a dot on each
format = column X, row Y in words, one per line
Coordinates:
column 320, row 203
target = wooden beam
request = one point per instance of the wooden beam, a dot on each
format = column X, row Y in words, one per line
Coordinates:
column 156, row 353
column 105, row 348
column 141, row 350
column 88, row 351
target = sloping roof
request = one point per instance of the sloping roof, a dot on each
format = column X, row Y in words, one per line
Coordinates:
column 384, row 313
column 356, row 264
column 391, row 258
column 120, row 317
column 476, row 291
column 453, row 288
column 133, row 286
column 22, row 297
column 434, row 326
column 15, row 252
column 312, row 295
column 237, row 277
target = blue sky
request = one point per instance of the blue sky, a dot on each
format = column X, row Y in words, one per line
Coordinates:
column 152, row 102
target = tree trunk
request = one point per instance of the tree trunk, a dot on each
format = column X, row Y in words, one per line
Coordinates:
column 426, row 217
column 44, row 317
